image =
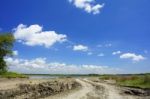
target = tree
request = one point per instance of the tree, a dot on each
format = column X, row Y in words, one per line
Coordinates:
column 6, row 44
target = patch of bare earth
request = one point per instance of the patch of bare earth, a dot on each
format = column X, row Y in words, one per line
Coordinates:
column 69, row 88
column 97, row 90
column 35, row 89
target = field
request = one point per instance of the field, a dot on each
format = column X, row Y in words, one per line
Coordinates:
column 135, row 80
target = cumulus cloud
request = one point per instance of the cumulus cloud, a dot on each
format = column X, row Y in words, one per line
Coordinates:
column 33, row 35
column 132, row 56
column 15, row 53
column 40, row 65
column 80, row 48
column 116, row 53
column 89, row 6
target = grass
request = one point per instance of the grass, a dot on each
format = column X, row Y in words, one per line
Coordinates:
column 12, row 75
column 135, row 81
column 140, row 81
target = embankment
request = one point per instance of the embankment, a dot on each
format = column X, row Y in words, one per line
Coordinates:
column 43, row 89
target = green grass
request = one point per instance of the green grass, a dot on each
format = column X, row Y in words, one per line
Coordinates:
column 136, row 81
column 12, row 75
column 140, row 81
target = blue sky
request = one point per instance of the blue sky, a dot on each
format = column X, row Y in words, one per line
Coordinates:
column 78, row 36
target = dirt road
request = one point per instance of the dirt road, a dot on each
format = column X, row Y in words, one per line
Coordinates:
column 111, row 92
column 85, row 92
column 95, row 90
column 81, row 88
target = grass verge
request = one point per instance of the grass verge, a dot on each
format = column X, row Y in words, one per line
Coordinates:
column 139, row 81
column 12, row 75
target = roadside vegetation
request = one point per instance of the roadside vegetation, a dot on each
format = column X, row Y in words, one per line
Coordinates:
column 12, row 75
column 139, row 80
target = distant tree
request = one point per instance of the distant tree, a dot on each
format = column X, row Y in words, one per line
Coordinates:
column 6, row 44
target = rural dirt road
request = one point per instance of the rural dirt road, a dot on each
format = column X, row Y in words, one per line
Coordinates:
column 95, row 90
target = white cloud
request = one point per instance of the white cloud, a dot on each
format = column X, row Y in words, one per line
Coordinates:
column 40, row 65
column 88, row 5
column 80, row 48
column 132, row 56
column 117, row 52
column 101, row 54
column 33, row 35
column 15, row 53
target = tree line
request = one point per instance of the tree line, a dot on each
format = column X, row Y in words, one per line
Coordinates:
column 6, row 45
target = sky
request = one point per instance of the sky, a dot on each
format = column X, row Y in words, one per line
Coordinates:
column 78, row 36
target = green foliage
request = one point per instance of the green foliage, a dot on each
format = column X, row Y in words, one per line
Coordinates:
column 12, row 75
column 6, row 44
column 142, row 81
column 3, row 67
column 93, row 74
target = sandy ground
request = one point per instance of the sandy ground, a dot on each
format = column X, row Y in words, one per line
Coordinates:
column 81, row 93
column 89, row 91
column 13, row 83
column 111, row 92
